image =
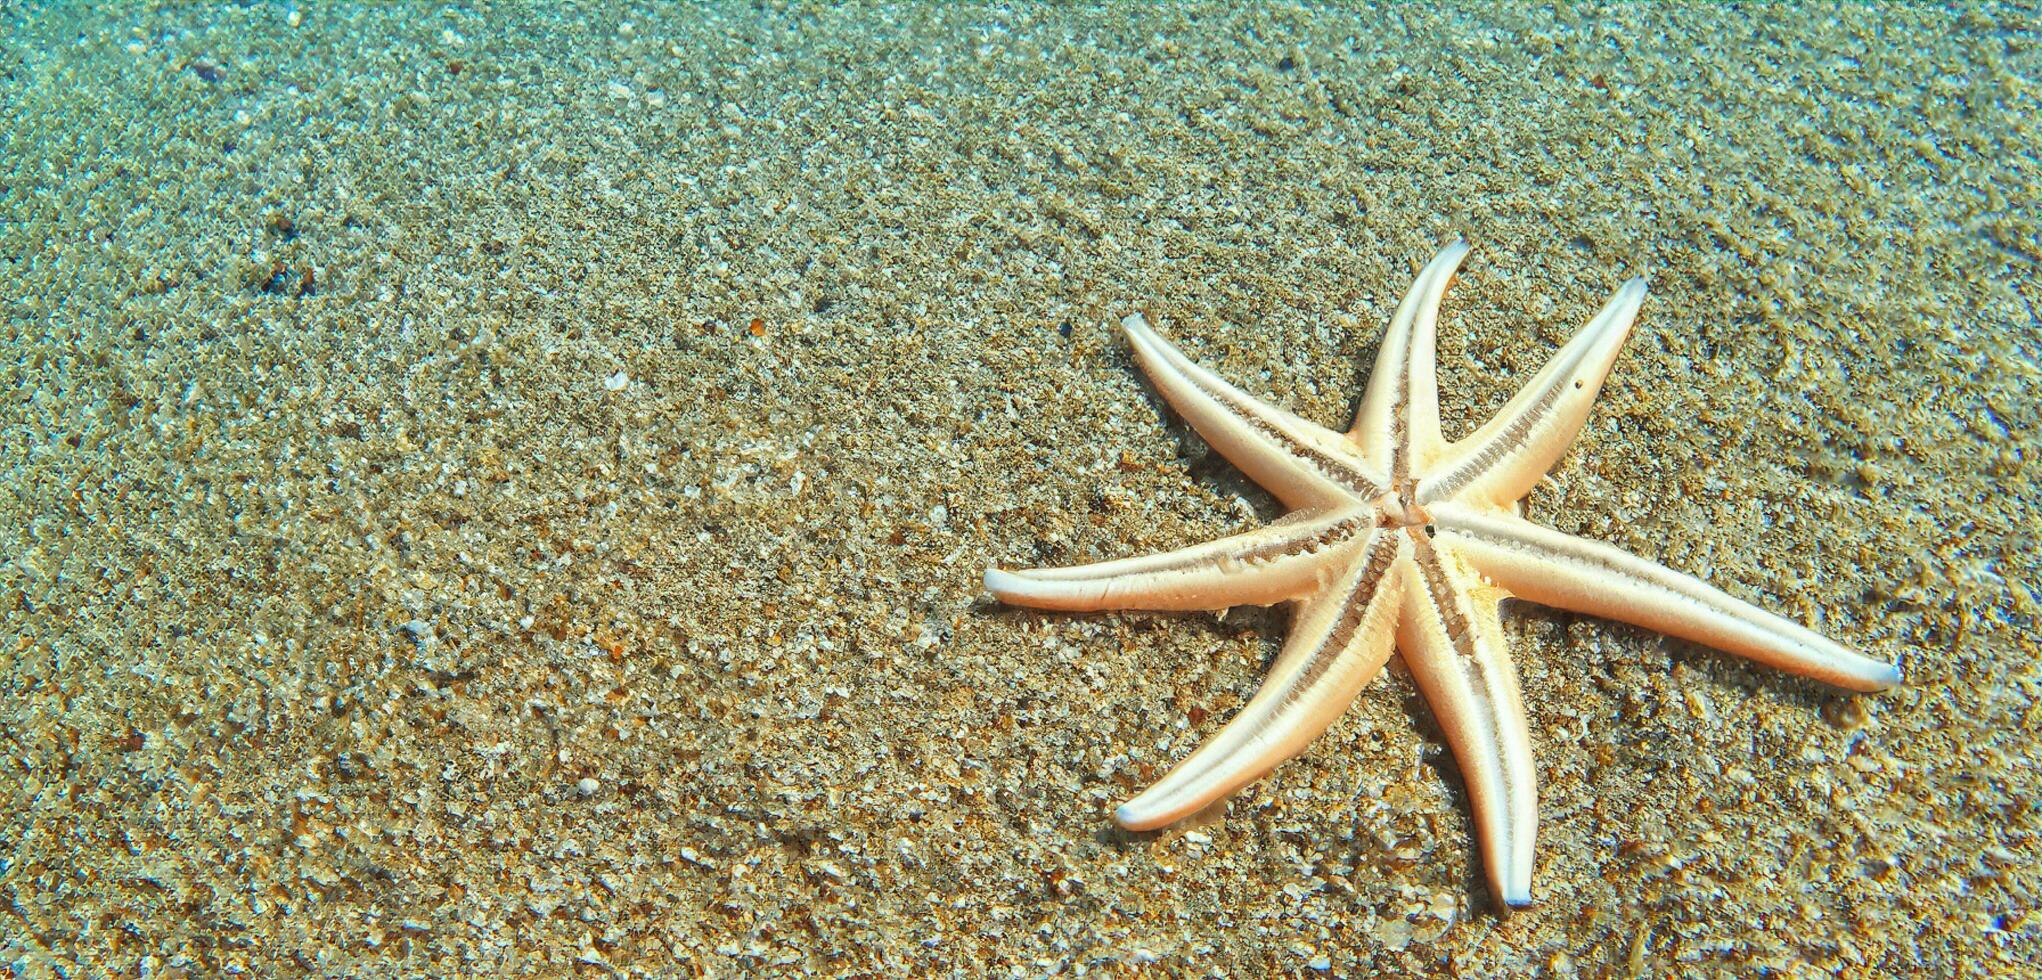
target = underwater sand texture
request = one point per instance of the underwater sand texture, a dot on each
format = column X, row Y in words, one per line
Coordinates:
column 505, row 493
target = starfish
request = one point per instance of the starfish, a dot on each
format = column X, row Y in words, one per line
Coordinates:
column 1397, row 540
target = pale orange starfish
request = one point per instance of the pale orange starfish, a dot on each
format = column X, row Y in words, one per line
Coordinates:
column 1399, row 539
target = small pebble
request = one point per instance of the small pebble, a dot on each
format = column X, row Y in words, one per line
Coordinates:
column 587, row 786
column 616, row 382
column 420, row 631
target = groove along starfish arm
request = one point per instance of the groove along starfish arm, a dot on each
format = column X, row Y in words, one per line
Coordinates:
column 1399, row 540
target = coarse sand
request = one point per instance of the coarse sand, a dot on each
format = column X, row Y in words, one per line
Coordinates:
column 504, row 492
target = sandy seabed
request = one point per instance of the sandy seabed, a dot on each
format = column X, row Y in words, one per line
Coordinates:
column 505, row 493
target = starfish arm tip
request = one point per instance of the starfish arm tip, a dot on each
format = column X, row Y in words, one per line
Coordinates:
column 1830, row 663
column 1002, row 583
column 1132, row 816
column 1134, row 322
column 1449, row 259
column 1513, row 883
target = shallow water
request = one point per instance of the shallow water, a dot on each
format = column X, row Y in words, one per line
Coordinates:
column 505, row 492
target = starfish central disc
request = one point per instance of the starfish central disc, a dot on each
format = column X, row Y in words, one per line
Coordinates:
column 1397, row 510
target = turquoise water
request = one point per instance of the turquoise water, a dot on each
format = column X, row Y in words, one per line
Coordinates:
column 504, row 492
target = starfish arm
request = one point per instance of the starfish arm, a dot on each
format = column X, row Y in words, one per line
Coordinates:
column 1452, row 639
column 1548, row 567
column 1302, row 464
column 1397, row 426
column 1499, row 462
column 1274, row 563
column 1341, row 639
